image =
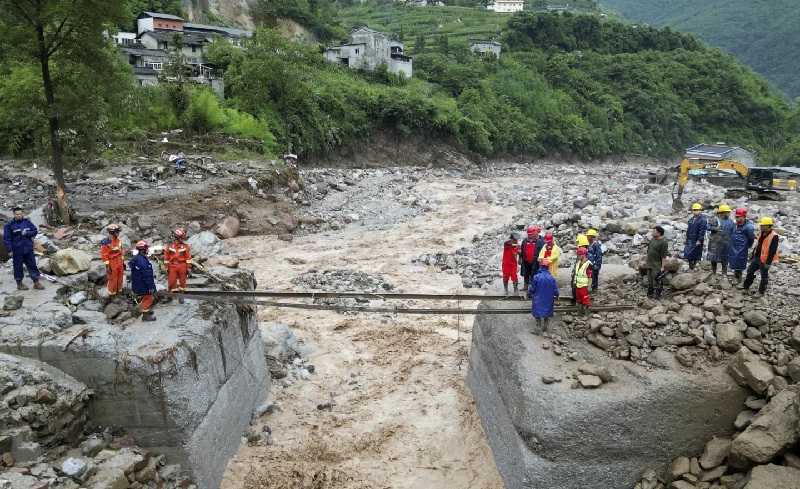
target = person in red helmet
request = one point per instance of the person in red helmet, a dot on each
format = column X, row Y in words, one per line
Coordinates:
column 509, row 266
column 551, row 253
column 581, row 279
column 529, row 251
column 142, row 281
column 742, row 240
column 178, row 259
column 113, row 255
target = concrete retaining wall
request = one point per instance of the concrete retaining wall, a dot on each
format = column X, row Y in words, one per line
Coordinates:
column 558, row 437
column 185, row 386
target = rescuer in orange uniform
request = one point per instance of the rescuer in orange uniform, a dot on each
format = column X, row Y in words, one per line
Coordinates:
column 178, row 260
column 112, row 253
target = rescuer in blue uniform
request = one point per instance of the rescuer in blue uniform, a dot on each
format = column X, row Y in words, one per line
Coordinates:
column 18, row 235
column 142, row 281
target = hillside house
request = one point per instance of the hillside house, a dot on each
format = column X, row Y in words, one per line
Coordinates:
column 484, row 47
column 507, row 6
column 368, row 49
column 158, row 38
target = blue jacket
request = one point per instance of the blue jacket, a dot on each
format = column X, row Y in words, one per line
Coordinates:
column 596, row 254
column 142, row 280
column 18, row 235
column 543, row 292
column 695, row 233
column 742, row 240
column 719, row 240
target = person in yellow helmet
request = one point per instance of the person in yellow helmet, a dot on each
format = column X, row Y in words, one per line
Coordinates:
column 765, row 254
column 595, row 256
column 695, row 236
column 720, row 231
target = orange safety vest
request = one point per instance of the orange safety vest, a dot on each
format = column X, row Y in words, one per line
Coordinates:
column 765, row 248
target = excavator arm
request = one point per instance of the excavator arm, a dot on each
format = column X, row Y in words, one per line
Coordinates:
column 687, row 165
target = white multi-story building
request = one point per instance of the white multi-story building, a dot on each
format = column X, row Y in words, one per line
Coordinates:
column 507, row 6
column 367, row 49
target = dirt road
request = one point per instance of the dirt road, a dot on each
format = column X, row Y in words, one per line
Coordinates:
column 401, row 414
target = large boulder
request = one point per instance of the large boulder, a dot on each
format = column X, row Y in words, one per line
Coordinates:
column 774, row 477
column 729, row 338
column 684, row 281
column 228, row 228
column 205, row 245
column 70, row 261
column 755, row 318
column 554, row 436
column 775, row 428
column 749, row 370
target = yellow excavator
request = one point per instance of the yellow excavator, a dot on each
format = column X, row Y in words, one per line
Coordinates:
column 759, row 183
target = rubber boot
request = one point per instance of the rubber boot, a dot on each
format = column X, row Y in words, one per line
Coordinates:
column 148, row 316
column 516, row 289
column 545, row 325
column 21, row 286
column 38, row 285
column 505, row 286
column 539, row 327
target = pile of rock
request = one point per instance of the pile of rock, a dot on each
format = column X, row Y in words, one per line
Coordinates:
column 762, row 454
column 42, row 441
column 286, row 354
column 342, row 280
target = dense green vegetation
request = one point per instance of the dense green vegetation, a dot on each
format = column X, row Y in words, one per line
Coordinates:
column 762, row 33
column 565, row 84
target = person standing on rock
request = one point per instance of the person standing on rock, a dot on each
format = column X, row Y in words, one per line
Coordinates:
column 18, row 235
column 178, row 260
column 595, row 256
column 543, row 292
column 113, row 255
column 142, row 281
column 551, row 252
column 695, row 236
column 657, row 253
column 719, row 242
column 581, row 278
column 765, row 254
column 509, row 266
column 529, row 254
column 741, row 241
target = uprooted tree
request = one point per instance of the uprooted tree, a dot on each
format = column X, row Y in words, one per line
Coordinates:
column 60, row 36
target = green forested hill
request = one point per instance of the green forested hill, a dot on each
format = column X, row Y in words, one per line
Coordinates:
column 764, row 34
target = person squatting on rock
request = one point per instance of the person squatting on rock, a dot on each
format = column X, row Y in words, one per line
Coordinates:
column 529, row 254
column 741, row 241
column 720, row 232
column 764, row 255
column 595, row 256
column 143, row 281
column 113, row 255
column 695, row 236
column 509, row 266
column 18, row 235
column 657, row 253
column 552, row 253
column 581, row 279
column 543, row 291
column 178, row 260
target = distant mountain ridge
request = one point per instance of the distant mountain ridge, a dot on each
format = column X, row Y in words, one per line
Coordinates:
column 765, row 34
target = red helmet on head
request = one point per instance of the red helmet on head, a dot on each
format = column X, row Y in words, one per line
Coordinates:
column 741, row 212
column 142, row 245
column 179, row 233
column 581, row 251
column 533, row 230
column 548, row 238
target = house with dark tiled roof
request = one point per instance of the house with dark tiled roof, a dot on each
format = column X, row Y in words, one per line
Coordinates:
column 160, row 37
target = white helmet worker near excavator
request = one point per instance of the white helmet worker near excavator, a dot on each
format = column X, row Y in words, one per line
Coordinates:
column 764, row 255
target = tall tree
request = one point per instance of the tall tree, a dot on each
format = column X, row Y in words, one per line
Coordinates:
column 57, row 33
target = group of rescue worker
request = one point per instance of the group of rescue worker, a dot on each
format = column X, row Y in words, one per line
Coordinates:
column 538, row 258
column 730, row 243
column 18, row 235
column 177, row 260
